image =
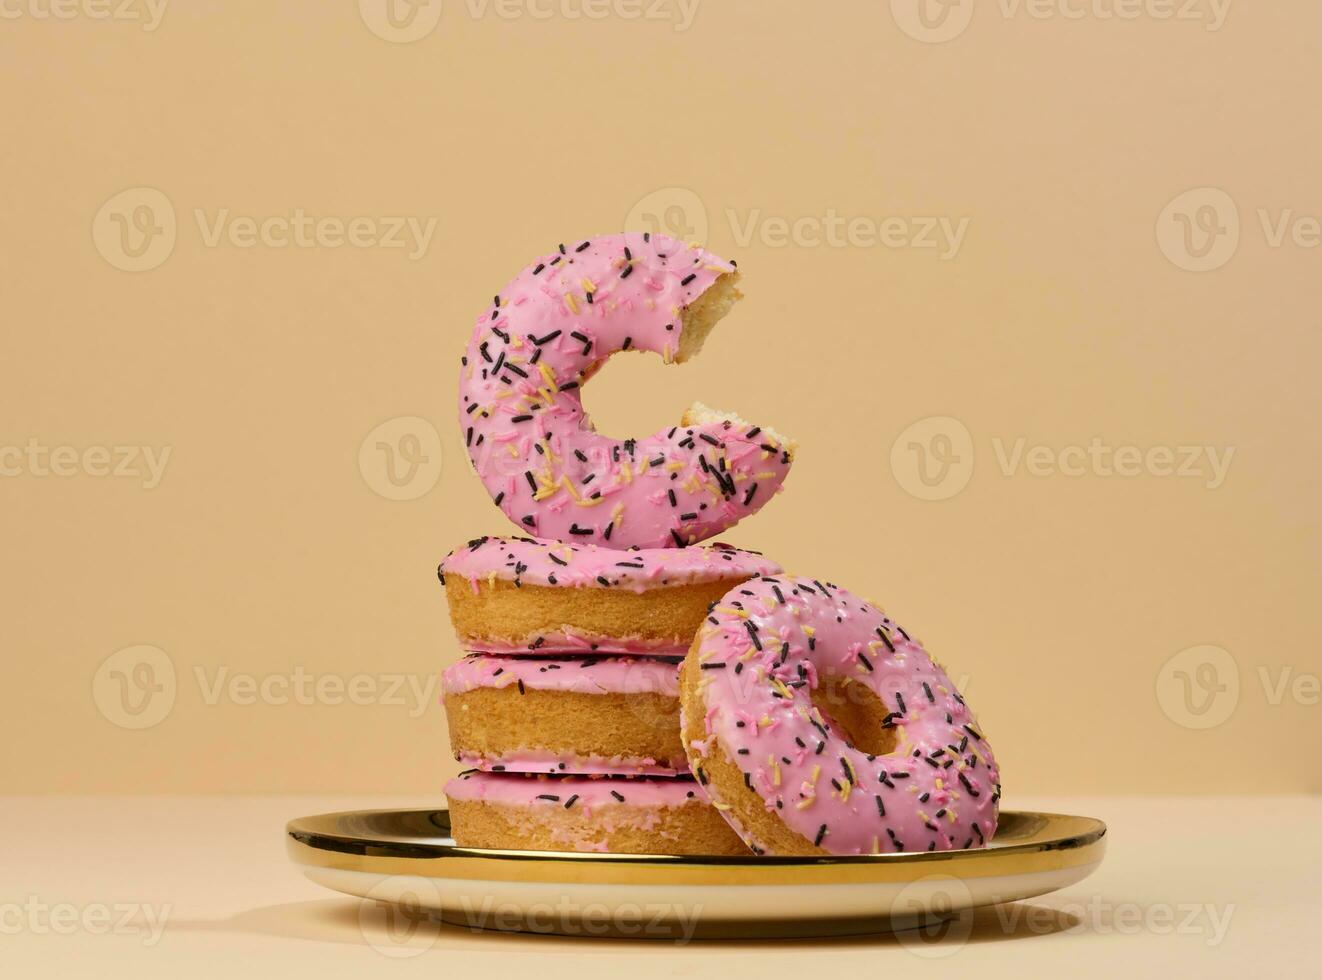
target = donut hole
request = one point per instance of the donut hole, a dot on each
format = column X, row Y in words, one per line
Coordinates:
column 617, row 387
column 855, row 712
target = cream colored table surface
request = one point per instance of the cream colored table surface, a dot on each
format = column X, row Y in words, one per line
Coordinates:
column 1190, row 888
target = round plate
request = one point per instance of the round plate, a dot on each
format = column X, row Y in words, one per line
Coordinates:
column 408, row 859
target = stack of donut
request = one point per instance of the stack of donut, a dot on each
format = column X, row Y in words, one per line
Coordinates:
column 630, row 688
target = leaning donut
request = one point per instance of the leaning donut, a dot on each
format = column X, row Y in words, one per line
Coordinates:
column 818, row 725
column 522, row 596
column 532, row 443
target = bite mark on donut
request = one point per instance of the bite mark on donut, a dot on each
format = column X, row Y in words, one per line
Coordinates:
column 530, row 439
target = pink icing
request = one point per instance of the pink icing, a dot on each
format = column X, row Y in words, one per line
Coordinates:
column 533, row 761
column 572, row 792
column 526, row 561
column 565, row 641
column 590, row 675
column 533, row 445
column 765, row 647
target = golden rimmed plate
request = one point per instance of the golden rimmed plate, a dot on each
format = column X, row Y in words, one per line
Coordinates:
column 409, row 860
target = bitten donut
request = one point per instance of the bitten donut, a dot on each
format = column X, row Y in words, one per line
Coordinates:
column 819, row 726
column 574, row 715
column 522, row 596
column 586, row 813
column 521, row 410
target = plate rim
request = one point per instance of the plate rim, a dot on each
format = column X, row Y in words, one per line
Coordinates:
column 310, row 843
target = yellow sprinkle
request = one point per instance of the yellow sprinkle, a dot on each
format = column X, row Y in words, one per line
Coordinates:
column 666, row 356
column 845, row 791
column 732, row 611
column 816, row 771
column 765, row 722
column 775, row 770
column 804, row 804
column 564, row 482
column 616, row 514
column 569, row 302
column 512, row 451
column 810, row 631
column 721, row 806
column 588, row 286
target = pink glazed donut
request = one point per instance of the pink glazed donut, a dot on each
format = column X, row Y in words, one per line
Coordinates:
column 521, row 409
column 819, row 726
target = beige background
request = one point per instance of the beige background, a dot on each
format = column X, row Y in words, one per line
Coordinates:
column 1068, row 313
